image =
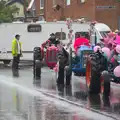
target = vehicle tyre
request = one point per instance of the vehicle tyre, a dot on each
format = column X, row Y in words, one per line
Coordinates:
column 105, row 83
column 37, row 62
column 94, row 67
column 77, row 73
column 37, row 69
column 69, row 70
column 70, row 57
column 6, row 62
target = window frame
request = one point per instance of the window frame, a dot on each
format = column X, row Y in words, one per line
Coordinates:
column 59, row 36
column 54, row 3
column 82, row 1
column 83, row 32
column 68, row 2
column 41, row 7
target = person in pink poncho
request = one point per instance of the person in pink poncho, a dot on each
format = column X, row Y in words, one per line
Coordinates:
column 108, row 41
column 80, row 41
column 117, row 39
column 114, row 55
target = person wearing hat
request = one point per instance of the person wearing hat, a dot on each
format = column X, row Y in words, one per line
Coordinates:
column 116, row 31
column 16, row 51
column 51, row 40
column 117, row 39
column 114, row 56
column 64, row 65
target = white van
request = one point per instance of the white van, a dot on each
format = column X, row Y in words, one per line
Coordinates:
column 34, row 34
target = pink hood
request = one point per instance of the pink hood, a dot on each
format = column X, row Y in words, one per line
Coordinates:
column 117, row 41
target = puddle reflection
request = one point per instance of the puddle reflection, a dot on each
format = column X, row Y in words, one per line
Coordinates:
column 15, row 72
column 64, row 90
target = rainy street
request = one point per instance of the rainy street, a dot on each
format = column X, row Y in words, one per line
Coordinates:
column 23, row 98
column 59, row 59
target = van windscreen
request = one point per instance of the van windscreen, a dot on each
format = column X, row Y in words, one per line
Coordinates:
column 84, row 34
column 104, row 34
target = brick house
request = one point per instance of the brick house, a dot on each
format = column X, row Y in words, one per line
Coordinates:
column 20, row 5
column 36, row 6
column 106, row 11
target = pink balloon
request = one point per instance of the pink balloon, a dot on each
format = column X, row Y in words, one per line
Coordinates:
column 118, row 49
column 96, row 48
column 56, row 69
column 106, row 51
column 117, row 71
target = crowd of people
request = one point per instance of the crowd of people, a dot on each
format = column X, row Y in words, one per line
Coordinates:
column 110, row 47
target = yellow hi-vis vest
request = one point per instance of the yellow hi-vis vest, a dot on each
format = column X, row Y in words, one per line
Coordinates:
column 15, row 47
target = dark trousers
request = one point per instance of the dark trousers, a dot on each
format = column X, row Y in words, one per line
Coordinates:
column 16, row 60
column 68, row 79
column 60, row 79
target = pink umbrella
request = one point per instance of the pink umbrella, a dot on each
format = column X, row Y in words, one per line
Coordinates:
column 81, row 41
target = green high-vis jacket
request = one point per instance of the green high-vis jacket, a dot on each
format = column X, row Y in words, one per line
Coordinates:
column 15, row 47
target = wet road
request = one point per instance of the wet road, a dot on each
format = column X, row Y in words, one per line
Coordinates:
column 22, row 98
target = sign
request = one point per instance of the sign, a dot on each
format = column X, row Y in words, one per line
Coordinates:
column 105, row 7
column 34, row 28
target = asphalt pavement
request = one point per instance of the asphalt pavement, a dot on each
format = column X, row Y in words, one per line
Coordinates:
column 24, row 98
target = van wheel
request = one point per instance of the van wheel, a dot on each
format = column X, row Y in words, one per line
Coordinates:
column 6, row 62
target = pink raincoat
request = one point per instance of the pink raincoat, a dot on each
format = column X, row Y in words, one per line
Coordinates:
column 117, row 41
column 109, row 39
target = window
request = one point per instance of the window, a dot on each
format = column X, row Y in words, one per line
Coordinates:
column 41, row 4
column 54, row 3
column 82, row 1
column 84, row 34
column 60, row 35
column 34, row 28
column 68, row 2
column 104, row 34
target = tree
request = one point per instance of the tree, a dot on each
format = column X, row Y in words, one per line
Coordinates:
column 118, row 0
column 6, row 12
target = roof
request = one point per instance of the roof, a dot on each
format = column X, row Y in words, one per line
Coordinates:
column 10, row 2
column 30, row 4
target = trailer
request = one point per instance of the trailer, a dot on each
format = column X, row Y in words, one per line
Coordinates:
column 34, row 34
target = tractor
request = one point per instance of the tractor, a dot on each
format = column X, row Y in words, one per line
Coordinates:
column 100, row 72
column 79, row 61
column 49, row 57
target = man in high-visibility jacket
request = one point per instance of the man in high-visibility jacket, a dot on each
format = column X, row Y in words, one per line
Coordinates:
column 16, row 51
